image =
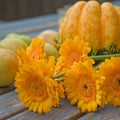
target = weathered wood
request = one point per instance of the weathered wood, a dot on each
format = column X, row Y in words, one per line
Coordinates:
column 116, row 2
column 107, row 113
column 10, row 105
column 28, row 26
column 65, row 112
column 4, row 90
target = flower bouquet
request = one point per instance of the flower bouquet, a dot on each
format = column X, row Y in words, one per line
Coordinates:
column 87, row 70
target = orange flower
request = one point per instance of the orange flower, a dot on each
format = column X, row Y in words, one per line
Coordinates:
column 111, row 70
column 36, row 49
column 35, row 86
column 72, row 50
column 83, row 85
column 34, row 52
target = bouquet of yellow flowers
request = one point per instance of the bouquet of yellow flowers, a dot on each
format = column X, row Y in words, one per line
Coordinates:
column 85, row 73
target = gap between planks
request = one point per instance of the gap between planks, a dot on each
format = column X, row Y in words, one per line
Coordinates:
column 6, row 89
column 12, row 109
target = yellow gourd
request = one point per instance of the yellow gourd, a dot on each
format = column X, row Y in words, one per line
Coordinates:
column 99, row 24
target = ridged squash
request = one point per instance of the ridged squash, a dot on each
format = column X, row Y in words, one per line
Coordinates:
column 99, row 24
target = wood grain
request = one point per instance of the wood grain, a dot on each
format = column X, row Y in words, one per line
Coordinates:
column 28, row 26
column 107, row 113
column 10, row 105
column 4, row 90
column 12, row 108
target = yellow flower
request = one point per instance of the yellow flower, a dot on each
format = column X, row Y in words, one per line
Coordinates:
column 36, row 49
column 22, row 57
column 34, row 52
column 72, row 50
column 83, row 85
column 35, row 86
column 111, row 70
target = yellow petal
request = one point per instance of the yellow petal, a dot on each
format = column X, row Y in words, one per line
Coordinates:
column 80, row 103
column 73, row 101
column 84, row 108
column 94, row 105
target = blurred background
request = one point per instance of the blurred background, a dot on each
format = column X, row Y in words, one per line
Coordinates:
column 18, row 9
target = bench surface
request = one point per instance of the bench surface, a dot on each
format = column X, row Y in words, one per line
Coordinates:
column 11, row 107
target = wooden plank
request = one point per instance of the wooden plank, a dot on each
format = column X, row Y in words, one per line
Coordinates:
column 10, row 105
column 65, row 112
column 116, row 2
column 107, row 113
column 29, row 25
column 12, row 108
column 30, row 29
column 29, row 21
column 4, row 90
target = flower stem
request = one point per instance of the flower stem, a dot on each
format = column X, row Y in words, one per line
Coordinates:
column 103, row 57
column 97, row 57
column 58, row 75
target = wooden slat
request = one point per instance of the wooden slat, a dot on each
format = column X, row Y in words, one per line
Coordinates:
column 12, row 108
column 65, row 112
column 29, row 21
column 116, row 2
column 10, row 105
column 4, row 90
column 29, row 25
column 107, row 113
column 30, row 29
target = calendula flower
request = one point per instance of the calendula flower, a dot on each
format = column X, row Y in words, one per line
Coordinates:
column 111, row 70
column 35, row 86
column 72, row 50
column 83, row 86
column 34, row 52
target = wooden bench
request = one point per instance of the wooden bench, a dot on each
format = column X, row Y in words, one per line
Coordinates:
column 10, row 106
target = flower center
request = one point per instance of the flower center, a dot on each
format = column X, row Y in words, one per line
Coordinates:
column 38, row 89
column 119, row 82
column 115, row 85
column 116, row 82
column 74, row 57
column 35, row 85
column 86, row 89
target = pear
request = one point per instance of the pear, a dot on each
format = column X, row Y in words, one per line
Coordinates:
column 51, row 37
column 51, row 50
column 13, row 43
column 1, row 46
column 26, row 39
column 8, row 66
column 23, row 37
